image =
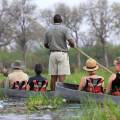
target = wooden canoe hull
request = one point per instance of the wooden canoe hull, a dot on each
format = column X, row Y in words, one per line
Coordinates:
column 22, row 93
column 71, row 93
column 68, row 91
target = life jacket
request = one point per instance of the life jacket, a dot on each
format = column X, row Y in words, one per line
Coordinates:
column 19, row 85
column 94, row 85
column 40, row 86
column 116, row 86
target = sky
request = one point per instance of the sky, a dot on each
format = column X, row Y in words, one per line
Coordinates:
column 50, row 4
column 42, row 4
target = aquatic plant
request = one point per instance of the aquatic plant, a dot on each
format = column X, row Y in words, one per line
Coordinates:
column 98, row 111
column 43, row 102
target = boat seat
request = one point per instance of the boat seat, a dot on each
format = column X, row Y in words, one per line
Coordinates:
column 71, row 86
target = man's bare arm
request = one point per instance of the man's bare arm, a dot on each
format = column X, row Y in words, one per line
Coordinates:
column 82, row 84
column 46, row 45
column 71, row 43
column 108, row 89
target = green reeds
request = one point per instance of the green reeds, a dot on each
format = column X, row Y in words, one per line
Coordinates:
column 98, row 111
column 35, row 102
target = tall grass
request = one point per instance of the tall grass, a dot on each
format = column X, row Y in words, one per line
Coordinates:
column 97, row 111
column 75, row 78
column 107, row 111
column 2, row 78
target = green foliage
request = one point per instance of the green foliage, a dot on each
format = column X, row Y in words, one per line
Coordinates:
column 41, row 55
column 40, row 100
column 2, row 96
column 8, row 57
column 75, row 77
column 97, row 53
column 30, row 72
column 92, row 110
column 2, row 77
column 104, row 74
column 107, row 111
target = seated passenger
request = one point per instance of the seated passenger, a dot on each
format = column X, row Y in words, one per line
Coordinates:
column 37, row 83
column 113, row 87
column 17, row 79
column 92, row 82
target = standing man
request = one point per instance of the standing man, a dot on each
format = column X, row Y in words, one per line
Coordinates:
column 56, row 38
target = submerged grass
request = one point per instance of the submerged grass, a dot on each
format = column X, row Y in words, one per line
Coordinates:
column 2, row 78
column 2, row 96
column 35, row 102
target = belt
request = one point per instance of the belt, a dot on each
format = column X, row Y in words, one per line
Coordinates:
column 58, row 51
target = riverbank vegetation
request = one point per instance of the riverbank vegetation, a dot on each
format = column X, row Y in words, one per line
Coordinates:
column 98, row 111
column 41, row 102
column 74, row 78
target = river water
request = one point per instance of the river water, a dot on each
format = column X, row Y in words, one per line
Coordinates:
column 14, row 109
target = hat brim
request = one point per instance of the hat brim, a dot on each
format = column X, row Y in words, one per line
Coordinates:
column 17, row 67
column 91, row 69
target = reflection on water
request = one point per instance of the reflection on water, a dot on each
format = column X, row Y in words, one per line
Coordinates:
column 14, row 109
column 48, row 116
column 2, row 104
column 24, row 117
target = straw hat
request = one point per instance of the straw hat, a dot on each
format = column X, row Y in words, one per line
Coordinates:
column 18, row 64
column 117, row 61
column 91, row 65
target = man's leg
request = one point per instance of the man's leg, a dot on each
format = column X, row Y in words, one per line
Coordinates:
column 53, row 70
column 61, row 78
column 63, row 67
column 53, row 82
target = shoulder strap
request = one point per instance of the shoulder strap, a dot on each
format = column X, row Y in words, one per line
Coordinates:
column 89, row 81
column 15, row 84
column 99, row 81
column 22, row 83
column 118, row 76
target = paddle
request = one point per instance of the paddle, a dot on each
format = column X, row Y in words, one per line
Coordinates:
column 83, row 53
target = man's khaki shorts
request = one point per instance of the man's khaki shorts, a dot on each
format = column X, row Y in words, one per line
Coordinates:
column 59, row 63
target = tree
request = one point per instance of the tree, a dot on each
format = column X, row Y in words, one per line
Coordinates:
column 116, row 14
column 27, row 29
column 99, row 16
column 46, row 17
column 6, row 28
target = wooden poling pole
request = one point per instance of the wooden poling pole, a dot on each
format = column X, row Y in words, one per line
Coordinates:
column 83, row 53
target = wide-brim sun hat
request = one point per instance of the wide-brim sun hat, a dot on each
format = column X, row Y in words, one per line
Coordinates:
column 91, row 65
column 18, row 64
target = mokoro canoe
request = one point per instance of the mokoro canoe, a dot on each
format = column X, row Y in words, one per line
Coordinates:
column 22, row 93
column 71, row 93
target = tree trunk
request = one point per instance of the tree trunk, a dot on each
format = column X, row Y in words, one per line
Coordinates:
column 78, row 61
column 78, row 54
column 24, row 55
column 105, row 56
